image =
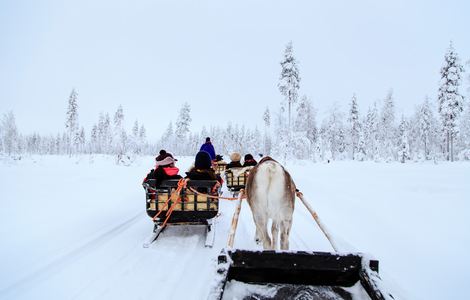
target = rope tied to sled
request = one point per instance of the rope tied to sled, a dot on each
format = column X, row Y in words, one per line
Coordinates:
column 213, row 196
column 174, row 198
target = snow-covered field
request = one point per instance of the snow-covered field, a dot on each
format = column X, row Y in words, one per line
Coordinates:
column 73, row 228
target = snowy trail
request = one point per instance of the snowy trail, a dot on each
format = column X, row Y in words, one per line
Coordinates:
column 70, row 257
column 95, row 250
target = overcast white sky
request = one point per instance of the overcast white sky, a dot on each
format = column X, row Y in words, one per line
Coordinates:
column 220, row 56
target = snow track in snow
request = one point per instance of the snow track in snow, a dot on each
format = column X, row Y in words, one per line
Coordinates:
column 70, row 256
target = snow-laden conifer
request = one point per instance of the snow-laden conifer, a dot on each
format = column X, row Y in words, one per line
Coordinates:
column 403, row 145
column 450, row 100
column 354, row 125
column 289, row 80
column 10, row 135
column 71, row 122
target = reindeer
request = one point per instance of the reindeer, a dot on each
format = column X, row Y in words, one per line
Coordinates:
column 270, row 192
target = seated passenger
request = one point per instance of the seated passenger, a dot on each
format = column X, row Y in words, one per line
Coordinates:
column 235, row 161
column 164, row 169
column 202, row 169
column 249, row 161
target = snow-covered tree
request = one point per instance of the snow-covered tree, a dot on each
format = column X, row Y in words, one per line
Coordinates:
column 449, row 98
column 267, row 132
column 71, row 121
column 119, row 133
column 371, row 132
column 10, row 135
column 354, row 125
column 333, row 133
column 387, row 128
column 81, row 140
column 168, row 137
column 182, row 128
column 426, row 127
column 403, row 152
column 306, row 119
column 289, row 80
column 183, row 122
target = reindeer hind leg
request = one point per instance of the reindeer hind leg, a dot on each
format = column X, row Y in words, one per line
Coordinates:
column 285, row 231
column 275, row 235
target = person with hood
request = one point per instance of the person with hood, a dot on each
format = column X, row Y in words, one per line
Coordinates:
column 249, row 161
column 235, row 161
column 202, row 169
column 164, row 169
column 209, row 148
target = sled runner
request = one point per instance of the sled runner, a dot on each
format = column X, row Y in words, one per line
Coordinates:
column 171, row 205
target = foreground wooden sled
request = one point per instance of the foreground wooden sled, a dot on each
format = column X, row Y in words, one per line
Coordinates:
column 297, row 275
column 190, row 209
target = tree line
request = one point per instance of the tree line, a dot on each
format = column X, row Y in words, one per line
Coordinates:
column 436, row 130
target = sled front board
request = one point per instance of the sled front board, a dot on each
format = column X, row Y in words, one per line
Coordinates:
column 297, row 272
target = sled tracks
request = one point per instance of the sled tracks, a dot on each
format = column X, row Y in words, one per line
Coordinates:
column 71, row 256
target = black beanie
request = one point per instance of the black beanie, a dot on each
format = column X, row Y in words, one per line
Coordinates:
column 162, row 155
column 203, row 160
column 248, row 157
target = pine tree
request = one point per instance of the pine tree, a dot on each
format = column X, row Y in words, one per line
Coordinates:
column 387, row 128
column 403, row 146
column 184, row 121
column 371, row 132
column 267, row 132
column 289, row 80
column 135, row 137
column 142, row 136
column 426, row 122
column 81, row 139
column 168, row 137
column 119, row 133
column 71, row 122
column 449, row 99
column 182, row 128
column 354, row 127
column 10, row 134
column 305, row 128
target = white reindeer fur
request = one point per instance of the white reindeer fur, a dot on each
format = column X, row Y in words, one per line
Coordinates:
column 268, row 201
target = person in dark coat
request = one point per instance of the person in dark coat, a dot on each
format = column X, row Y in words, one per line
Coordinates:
column 164, row 169
column 235, row 161
column 202, row 169
column 249, row 161
column 209, row 148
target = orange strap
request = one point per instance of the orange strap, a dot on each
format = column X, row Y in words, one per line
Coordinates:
column 212, row 196
column 174, row 198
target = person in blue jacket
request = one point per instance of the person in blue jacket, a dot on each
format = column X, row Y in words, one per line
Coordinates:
column 209, row 148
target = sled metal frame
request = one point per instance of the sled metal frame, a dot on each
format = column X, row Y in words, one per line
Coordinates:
column 298, row 268
column 189, row 213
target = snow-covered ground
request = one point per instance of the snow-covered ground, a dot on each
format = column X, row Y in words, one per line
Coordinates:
column 73, row 228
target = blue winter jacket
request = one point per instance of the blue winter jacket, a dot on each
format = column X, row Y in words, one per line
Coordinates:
column 209, row 149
